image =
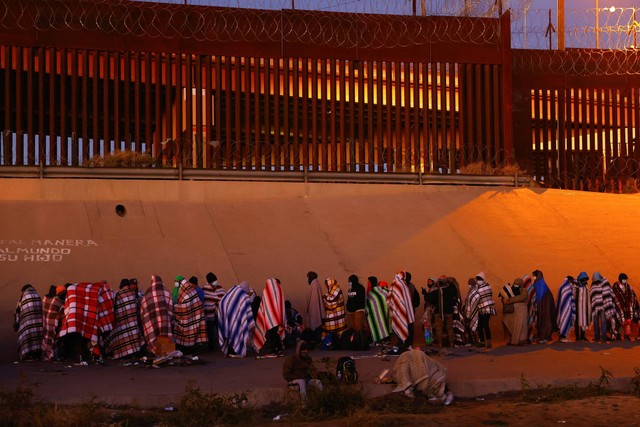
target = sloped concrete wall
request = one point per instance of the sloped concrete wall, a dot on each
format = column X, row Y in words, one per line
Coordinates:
column 58, row 231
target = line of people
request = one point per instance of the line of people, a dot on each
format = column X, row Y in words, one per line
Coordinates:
column 90, row 321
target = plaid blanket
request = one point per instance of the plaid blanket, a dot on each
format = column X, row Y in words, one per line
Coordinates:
column 212, row 296
column 378, row 313
column 53, row 313
column 189, row 325
column 156, row 311
column 271, row 313
column 29, row 321
column 583, row 307
column 471, row 313
column 88, row 311
column 400, row 307
column 532, row 306
column 566, row 310
column 486, row 304
column 235, row 320
column 126, row 337
column 626, row 303
column 334, row 309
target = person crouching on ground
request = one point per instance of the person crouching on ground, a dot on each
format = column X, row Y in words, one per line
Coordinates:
column 299, row 369
column 415, row 371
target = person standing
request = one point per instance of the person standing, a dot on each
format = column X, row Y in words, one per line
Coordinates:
column 566, row 308
column 516, row 321
column 52, row 312
column 401, row 311
column 235, row 320
column 213, row 293
column 626, row 306
column 156, row 312
column 583, row 306
column 546, row 308
column 334, row 320
column 189, row 325
column 443, row 297
column 126, row 337
column 315, row 305
column 480, row 299
column 377, row 311
column 29, row 324
column 603, row 309
column 270, row 321
column 355, row 304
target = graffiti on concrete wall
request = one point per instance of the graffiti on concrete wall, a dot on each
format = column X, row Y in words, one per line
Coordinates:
column 36, row 250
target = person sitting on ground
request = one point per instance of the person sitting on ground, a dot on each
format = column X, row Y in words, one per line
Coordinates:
column 295, row 327
column 298, row 369
column 415, row 371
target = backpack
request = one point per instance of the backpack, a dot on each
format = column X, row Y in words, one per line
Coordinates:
column 346, row 370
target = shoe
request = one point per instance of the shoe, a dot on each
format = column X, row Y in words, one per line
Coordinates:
column 564, row 340
column 489, row 344
column 448, row 398
column 542, row 342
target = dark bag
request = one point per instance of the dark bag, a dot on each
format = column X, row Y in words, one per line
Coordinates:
column 508, row 307
column 346, row 370
column 354, row 340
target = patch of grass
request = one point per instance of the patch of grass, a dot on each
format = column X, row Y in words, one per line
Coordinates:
column 482, row 168
column 549, row 394
column 198, row 408
column 121, row 159
column 335, row 400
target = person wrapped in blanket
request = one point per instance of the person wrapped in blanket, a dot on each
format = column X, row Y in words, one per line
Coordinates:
column 189, row 324
column 566, row 308
column 270, row 320
column 88, row 320
column 401, row 311
column 479, row 308
column 28, row 324
column 546, row 308
column 53, row 313
column 627, row 310
column 581, row 295
column 377, row 312
column 414, row 371
column 603, row 309
column 516, row 323
column 156, row 312
column 334, row 321
column 213, row 293
column 235, row 320
column 126, row 339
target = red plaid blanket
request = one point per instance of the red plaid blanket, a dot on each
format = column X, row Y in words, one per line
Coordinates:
column 88, row 311
column 53, row 313
column 156, row 311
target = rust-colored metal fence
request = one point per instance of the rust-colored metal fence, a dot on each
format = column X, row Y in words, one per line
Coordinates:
column 577, row 117
column 276, row 93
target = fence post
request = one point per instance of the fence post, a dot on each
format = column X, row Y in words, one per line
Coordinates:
column 506, row 80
